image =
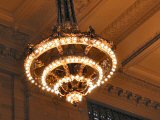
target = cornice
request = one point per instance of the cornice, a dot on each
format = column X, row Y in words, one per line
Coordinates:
column 11, row 53
column 11, row 49
column 131, row 97
column 12, row 35
column 10, row 60
column 132, row 18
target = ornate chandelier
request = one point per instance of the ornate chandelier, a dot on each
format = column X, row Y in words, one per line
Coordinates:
column 69, row 62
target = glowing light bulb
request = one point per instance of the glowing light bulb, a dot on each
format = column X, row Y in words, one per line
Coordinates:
column 109, row 76
column 32, row 81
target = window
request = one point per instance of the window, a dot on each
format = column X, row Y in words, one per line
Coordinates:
column 99, row 112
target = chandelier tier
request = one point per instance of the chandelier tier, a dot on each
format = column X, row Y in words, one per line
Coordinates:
column 70, row 63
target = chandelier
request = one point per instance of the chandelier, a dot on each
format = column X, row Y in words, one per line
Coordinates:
column 70, row 63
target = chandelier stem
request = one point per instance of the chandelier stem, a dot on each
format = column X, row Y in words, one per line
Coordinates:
column 60, row 16
column 67, row 11
column 73, row 12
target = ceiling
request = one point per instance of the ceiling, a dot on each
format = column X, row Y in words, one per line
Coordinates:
column 132, row 24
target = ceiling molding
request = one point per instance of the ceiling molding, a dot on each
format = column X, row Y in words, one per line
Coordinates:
column 10, row 59
column 145, row 74
column 23, row 12
column 8, row 52
column 6, row 17
column 82, row 14
column 13, row 37
column 140, row 50
column 136, row 81
column 91, row 7
column 26, row 8
column 132, row 18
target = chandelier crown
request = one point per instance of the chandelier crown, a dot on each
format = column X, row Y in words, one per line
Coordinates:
column 70, row 63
